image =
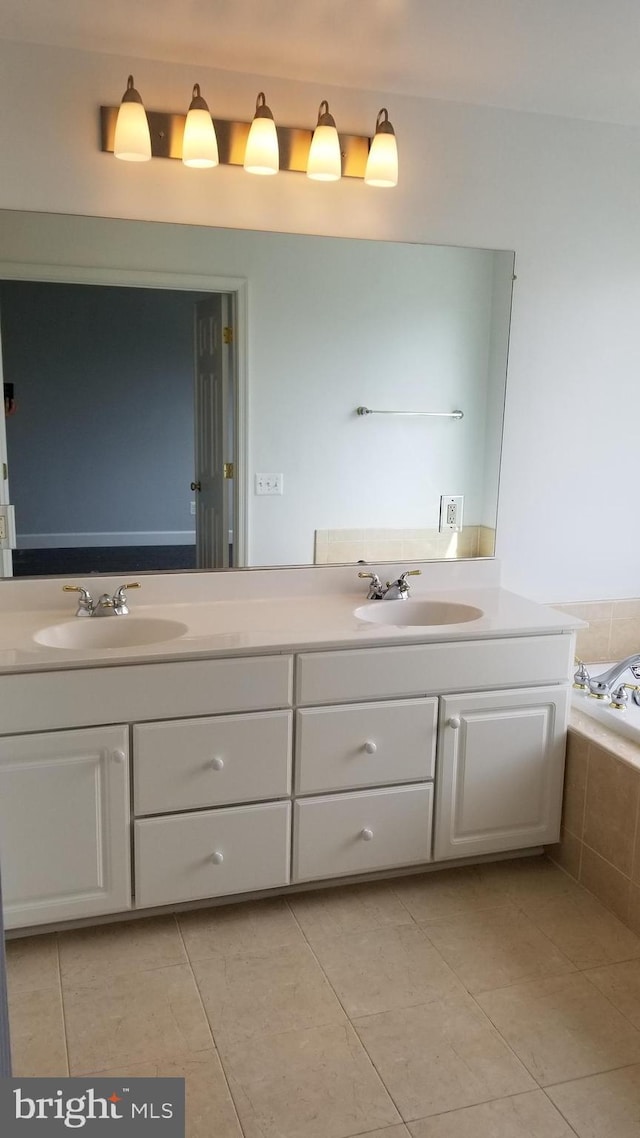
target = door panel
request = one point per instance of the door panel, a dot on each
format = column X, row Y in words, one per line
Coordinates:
column 211, row 419
column 501, row 771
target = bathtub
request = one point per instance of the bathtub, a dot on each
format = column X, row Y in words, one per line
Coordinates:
column 626, row 722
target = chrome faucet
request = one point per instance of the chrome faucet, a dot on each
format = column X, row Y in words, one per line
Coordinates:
column 105, row 605
column 395, row 590
column 602, row 686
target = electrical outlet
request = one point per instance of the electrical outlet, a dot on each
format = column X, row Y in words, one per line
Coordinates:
column 268, row 484
column 3, row 528
column 451, row 506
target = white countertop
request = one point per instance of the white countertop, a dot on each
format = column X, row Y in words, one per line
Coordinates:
column 272, row 624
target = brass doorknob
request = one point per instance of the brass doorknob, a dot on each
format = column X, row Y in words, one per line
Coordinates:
column 196, row 486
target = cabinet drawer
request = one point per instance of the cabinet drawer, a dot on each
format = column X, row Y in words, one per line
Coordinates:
column 131, row 693
column 365, row 745
column 428, row 669
column 210, row 854
column 185, row 764
column 341, row 834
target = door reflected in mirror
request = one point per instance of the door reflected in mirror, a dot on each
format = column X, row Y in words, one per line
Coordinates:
column 147, row 359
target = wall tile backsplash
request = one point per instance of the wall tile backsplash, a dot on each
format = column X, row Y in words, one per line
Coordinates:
column 613, row 632
column 337, row 546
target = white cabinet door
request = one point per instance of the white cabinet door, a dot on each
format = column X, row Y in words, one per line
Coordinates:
column 64, row 825
column 500, row 771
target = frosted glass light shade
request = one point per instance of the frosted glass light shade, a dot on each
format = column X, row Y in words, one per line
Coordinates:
column 199, row 142
column 262, row 153
column 382, row 163
column 325, row 160
column 132, row 140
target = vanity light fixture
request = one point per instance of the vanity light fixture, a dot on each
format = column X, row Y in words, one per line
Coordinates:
column 262, row 154
column 132, row 139
column 197, row 139
column 199, row 142
column 325, row 159
column 382, row 163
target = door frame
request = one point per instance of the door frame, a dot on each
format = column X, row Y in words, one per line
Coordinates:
column 238, row 287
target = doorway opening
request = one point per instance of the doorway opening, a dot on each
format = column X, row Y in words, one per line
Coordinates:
column 123, row 449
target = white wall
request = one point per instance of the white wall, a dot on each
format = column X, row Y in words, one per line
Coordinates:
column 563, row 193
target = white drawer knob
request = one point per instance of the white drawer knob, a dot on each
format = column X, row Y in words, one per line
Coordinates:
column 217, row 857
column 366, row 834
column 370, row 747
column 119, row 756
column 454, row 722
column 217, row 764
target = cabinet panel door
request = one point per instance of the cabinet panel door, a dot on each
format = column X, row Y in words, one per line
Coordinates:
column 64, row 825
column 500, row 771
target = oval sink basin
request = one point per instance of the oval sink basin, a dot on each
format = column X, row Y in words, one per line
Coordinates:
column 417, row 614
column 109, row 632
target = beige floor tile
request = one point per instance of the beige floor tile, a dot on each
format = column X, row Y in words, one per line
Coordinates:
column 441, row 1056
column 522, row 1116
column 307, row 1084
column 583, row 929
column 265, row 992
column 387, row 968
column 530, row 880
column 604, row 1106
column 388, row 1132
column 32, row 963
column 234, row 930
column 496, row 947
column 620, row 983
column 37, row 1033
column 92, row 956
column 562, row 1028
column 210, row 1112
column 449, row 891
column 132, row 1019
column 347, row 909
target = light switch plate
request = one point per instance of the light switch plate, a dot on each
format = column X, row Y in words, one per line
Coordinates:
column 268, row 484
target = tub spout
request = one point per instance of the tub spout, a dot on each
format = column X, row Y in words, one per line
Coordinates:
column 600, row 686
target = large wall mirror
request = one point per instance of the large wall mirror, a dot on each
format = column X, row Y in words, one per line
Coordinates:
column 189, row 397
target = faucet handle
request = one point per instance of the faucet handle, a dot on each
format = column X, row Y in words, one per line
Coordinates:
column 400, row 588
column 85, row 604
column 376, row 592
column 120, row 598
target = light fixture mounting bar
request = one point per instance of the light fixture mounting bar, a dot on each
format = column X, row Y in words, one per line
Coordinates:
column 166, row 141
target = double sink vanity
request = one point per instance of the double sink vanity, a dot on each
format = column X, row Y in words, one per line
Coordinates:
column 262, row 731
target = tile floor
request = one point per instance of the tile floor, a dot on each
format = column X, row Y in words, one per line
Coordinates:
column 495, row 1001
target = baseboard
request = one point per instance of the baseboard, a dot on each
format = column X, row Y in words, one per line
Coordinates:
column 89, row 540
